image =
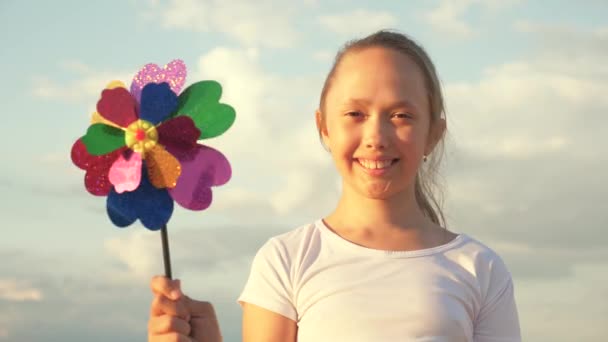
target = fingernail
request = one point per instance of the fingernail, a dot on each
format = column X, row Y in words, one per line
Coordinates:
column 175, row 294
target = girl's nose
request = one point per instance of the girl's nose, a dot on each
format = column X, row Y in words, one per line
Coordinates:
column 375, row 133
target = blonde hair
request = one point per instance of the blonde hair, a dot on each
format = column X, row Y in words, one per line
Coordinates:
column 428, row 192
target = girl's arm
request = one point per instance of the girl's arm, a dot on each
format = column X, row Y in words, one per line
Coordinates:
column 261, row 325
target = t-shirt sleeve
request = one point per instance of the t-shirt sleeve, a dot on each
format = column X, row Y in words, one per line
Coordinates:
column 269, row 285
column 497, row 320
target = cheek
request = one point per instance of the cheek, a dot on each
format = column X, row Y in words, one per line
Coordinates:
column 343, row 139
column 412, row 140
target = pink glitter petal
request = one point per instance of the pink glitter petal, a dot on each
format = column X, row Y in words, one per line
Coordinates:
column 174, row 73
column 125, row 174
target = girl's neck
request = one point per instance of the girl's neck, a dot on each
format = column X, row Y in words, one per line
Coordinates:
column 392, row 224
column 395, row 215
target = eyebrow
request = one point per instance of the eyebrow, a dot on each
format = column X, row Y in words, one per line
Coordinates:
column 402, row 103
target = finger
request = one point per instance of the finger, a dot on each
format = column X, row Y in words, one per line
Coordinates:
column 204, row 323
column 200, row 308
column 205, row 329
column 167, row 287
column 166, row 324
column 162, row 305
column 174, row 337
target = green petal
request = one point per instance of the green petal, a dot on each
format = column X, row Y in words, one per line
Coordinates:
column 101, row 139
column 200, row 101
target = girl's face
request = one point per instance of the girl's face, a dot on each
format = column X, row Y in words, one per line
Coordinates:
column 376, row 122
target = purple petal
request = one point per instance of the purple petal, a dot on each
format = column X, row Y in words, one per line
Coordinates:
column 202, row 168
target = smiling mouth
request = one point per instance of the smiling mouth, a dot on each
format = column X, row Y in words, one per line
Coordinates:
column 376, row 164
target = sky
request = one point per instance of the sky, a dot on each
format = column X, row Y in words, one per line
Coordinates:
column 525, row 85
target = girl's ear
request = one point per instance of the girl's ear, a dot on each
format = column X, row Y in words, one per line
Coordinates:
column 321, row 127
column 435, row 134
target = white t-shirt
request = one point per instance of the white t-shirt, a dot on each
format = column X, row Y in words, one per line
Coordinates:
column 337, row 290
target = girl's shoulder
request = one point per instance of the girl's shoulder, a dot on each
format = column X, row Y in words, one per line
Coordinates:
column 290, row 242
column 481, row 261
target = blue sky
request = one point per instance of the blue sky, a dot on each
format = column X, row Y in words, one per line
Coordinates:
column 525, row 85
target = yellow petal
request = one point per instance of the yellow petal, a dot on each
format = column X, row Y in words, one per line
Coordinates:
column 97, row 118
column 163, row 168
column 115, row 84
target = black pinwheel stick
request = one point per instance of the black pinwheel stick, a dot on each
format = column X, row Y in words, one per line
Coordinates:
column 166, row 257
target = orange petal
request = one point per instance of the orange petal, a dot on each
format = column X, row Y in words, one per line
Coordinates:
column 163, row 168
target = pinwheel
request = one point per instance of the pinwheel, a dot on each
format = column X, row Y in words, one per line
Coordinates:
column 142, row 152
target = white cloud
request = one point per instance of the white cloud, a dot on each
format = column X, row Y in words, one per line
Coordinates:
column 14, row 290
column 86, row 84
column 357, row 22
column 447, row 16
column 244, row 87
column 140, row 251
column 274, row 136
column 555, row 44
column 260, row 23
column 522, row 110
column 525, row 161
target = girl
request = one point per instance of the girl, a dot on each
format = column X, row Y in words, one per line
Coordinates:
column 380, row 267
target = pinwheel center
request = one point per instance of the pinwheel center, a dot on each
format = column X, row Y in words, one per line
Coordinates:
column 141, row 136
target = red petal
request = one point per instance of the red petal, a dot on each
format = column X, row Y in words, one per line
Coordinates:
column 117, row 105
column 96, row 179
column 178, row 133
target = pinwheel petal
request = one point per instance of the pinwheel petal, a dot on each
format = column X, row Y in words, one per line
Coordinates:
column 202, row 167
column 174, row 73
column 118, row 106
column 179, row 133
column 157, row 102
column 80, row 156
column 200, row 101
column 101, row 139
column 163, row 168
column 97, row 118
column 152, row 206
column 125, row 173
column 96, row 178
column 115, row 84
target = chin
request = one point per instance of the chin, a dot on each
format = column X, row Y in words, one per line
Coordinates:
column 378, row 191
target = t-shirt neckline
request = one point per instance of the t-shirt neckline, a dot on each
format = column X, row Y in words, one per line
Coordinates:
column 461, row 237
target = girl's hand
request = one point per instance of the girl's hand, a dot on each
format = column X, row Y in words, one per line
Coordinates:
column 169, row 315
column 176, row 317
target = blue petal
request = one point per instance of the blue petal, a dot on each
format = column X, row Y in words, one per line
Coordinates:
column 157, row 102
column 152, row 206
column 120, row 210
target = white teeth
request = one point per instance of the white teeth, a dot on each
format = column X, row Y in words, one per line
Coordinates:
column 375, row 164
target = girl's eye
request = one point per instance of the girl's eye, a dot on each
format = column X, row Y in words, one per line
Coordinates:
column 354, row 114
column 402, row 116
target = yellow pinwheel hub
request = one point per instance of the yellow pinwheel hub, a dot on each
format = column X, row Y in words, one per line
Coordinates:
column 141, row 136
